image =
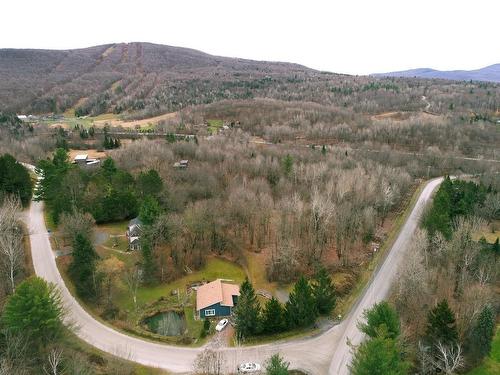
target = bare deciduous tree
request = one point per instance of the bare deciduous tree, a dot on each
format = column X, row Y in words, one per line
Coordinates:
column 448, row 359
column 54, row 359
column 209, row 362
column 133, row 279
column 76, row 222
column 11, row 248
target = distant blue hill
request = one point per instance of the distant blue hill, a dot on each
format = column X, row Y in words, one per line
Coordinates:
column 490, row 73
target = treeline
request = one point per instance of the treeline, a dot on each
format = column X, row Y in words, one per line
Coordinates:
column 108, row 193
column 282, row 121
column 445, row 291
column 14, row 179
column 456, row 198
column 297, row 205
column 308, row 300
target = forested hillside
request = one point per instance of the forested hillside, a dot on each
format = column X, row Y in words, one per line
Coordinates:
column 140, row 79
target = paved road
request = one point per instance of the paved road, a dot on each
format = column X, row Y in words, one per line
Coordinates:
column 313, row 355
column 380, row 285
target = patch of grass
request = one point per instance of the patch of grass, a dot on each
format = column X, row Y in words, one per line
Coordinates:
column 117, row 228
column 490, row 365
column 487, row 233
column 288, row 335
column 257, row 274
column 215, row 268
column 194, row 326
column 214, row 125
column 49, row 220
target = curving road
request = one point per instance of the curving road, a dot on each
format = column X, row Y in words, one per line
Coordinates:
column 327, row 353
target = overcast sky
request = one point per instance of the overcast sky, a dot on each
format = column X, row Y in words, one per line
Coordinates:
column 345, row 36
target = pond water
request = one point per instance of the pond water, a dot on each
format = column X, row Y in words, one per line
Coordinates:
column 168, row 323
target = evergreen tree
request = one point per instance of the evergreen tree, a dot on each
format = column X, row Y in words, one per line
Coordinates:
column 149, row 211
column 82, row 269
column 109, row 167
column 300, row 310
column 287, row 165
column 247, row 312
column 496, row 247
column 272, row 317
column 441, row 325
column 149, row 183
column 381, row 315
column 438, row 218
column 324, row 292
column 277, row 366
column 379, row 356
column 34, row 310
column 14, row 179
column 481, row 335
column 148, row 262
column 323, row 150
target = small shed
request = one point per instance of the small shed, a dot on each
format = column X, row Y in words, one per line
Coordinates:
column 81, row 159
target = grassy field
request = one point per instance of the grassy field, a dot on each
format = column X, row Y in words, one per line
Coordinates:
column 487, row 233
column 214, row 269
column 214, row 125
column 490, row 365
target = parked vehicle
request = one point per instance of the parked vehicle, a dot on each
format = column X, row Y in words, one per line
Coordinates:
column 248, row 368
column 221, row 325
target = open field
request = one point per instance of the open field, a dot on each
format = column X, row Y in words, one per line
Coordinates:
column 133, row 124
column 487, row 233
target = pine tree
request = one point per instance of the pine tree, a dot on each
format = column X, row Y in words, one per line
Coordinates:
column 379, row 356
column 247, row 312
column 35, row 310
column 324, row 292
column 381, row 315
column 300, row 310
column 277, row 366
column 481, row 335
column 148, row 262
column 272, row 317
column 149, row 211
column 83, row 267
column 441, row 325
column 287, row 165
column 496, row 247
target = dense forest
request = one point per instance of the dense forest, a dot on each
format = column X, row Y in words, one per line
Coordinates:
column 142, row 79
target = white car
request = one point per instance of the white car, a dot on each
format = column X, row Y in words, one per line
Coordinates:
column 248, row 368
column 221, row 325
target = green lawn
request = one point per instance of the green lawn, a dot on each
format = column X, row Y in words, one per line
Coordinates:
column 490, row 365
column 214, row 125
column 117, row 228
column 214, row 269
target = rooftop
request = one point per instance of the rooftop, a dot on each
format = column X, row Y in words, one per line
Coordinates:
column 216, row 292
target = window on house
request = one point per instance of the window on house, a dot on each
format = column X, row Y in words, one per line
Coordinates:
column 210, row 312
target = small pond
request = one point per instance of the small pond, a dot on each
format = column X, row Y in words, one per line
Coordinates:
column 167, row 323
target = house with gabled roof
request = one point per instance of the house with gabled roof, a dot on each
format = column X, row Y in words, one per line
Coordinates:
column 134, row 231
column 216, row 299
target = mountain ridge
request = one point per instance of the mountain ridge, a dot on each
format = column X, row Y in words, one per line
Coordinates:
column 38, row 80
column 490, row 73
